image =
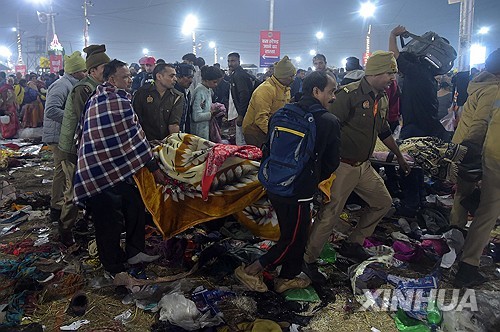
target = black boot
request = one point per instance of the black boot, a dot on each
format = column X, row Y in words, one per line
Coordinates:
column 66, row 236
column 312, row 271
column 354, row 251
column 54, row 215
column 468, row 276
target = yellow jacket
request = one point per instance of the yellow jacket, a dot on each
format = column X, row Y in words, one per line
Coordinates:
column 19, row 92
column 269, row 97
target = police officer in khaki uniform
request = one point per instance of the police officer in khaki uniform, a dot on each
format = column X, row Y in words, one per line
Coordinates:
column 479, row 130
column 361, row 108
column 159, row 106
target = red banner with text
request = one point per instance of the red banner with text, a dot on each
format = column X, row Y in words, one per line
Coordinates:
column 270, row 42
column 56, row 63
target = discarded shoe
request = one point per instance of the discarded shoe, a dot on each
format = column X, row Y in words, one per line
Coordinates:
column 142, row 258
column 354, row 251
column 255, row 283
column 78, row 304
column 281, row 285
column 468, row 276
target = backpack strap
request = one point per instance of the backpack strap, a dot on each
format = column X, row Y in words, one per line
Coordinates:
column 316, row 108
column 294, row 107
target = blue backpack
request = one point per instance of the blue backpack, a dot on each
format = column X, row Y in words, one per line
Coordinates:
column 289, row 148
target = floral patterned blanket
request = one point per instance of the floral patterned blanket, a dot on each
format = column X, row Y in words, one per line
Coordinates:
column 207, row 181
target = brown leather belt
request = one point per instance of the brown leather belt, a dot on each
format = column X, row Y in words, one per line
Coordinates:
column 351, row 162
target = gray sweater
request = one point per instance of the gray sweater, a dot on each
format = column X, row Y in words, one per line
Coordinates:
column 54, row 108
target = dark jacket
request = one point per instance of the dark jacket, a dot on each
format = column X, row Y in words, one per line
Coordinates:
column 221, row 92
column 419, row 103
column 241, row 90
column 185, row 123
column 137, row 80
column 296, row 87
column 327, row 152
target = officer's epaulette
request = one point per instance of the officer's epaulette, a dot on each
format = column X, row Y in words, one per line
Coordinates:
column 342, row 88
column 349, row 87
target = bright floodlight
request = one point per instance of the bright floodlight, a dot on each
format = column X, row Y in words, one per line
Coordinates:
column 190, row 24
column 298, row 59
column 344, row 62
column 14, row 29
column 484, row 30
column 5, row 52
column 312, row 52
column 211, row 44
column 145, row 51
column 320, row 35
column 477, row 54
column 367, row 9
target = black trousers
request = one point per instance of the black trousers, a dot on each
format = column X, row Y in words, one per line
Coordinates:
column 294, row 220
column 117, row 209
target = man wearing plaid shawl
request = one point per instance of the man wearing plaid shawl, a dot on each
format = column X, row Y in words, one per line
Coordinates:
column 112, row 148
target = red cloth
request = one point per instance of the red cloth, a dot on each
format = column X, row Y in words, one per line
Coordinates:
column 393, row 94
column 218, row 155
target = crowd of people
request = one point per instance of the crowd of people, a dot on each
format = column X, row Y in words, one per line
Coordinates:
column 101, row 119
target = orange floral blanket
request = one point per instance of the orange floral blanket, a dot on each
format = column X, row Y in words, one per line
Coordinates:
column 207, row 181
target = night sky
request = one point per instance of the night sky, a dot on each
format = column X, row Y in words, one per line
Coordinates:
column 128, row 26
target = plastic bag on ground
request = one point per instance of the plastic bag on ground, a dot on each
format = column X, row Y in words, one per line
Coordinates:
column 302, row 294
column 183, row 312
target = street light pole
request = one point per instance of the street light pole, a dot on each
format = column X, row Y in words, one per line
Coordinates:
column 367, row 49
column 86, row 22
column 189, row 28
column 465, row 34
column 271, row 15
column 214, row 46
column 19, row 45
column 193, row 35
column 367, row 10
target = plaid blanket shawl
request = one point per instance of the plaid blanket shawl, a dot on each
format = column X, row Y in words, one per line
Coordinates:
column 112, row 147
column 437, row 158
column 207, row 181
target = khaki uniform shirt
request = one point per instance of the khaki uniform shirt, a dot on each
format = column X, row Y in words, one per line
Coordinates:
column 354, row 107
column 157, row 113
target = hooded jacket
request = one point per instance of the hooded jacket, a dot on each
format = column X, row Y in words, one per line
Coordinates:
column 352, row 76
column 478, row 110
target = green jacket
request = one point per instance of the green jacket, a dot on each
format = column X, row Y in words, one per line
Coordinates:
column 73, row 110
column 478, row 109
column 359, row 126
